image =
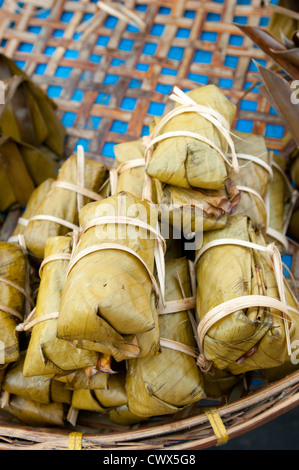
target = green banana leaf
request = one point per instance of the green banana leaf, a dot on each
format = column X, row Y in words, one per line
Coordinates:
column 171, row 380
column 46, row 354
column 108, row 302
column 247, row 339
column 188, row 162
column 61, row 203
column 12, row 268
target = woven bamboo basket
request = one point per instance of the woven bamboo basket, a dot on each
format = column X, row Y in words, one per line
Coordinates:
column 109, row 75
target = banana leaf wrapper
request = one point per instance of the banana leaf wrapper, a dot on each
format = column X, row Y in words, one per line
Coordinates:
column 47, row 354
column 22, row 168
column 252, row 338
column 252, row 176
column 32, row 114
column 102, row 400
column 123, row 416
column 191, row 210
column 112, row 401
column 13, row 267
column 61, row 203
column 38, row 388
column 219, row 384
column 188, row 162
column 85, row 379
column 108, row 303
column 281, row 202
column 34, row 413
column 32, row 205
column 131, row 180
column 168, row 382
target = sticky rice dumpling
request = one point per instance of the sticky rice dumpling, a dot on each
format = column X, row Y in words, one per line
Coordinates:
column 130, row 167
column 102, row 400
column 13, row 267
column 165, row 383
column 109, row 295
column 254, row 176
column 191, row 210
column 246, row 311
column 189, row 161
column 46, row 354
column 112, row 401
column 35, row 401
column 22, row 169
column 88, row 378
column 282, row 198
column 38, row 388
column 29, row 114
column 61, row 203
column 33, row 203
column 34, row 413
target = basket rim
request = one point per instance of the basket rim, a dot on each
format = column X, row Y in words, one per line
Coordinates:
column 59, row 437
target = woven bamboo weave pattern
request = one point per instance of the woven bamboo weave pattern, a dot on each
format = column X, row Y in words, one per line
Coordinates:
column 109, row 81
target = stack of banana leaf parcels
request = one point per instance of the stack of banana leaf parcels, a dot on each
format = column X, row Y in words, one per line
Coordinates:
column 139, row 291
column 31, row 136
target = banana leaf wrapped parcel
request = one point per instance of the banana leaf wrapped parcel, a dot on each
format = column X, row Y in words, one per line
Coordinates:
column 109, row 300
column 165, row 383
column 13, row 272
column 129, row 175
column 282, row 199
column 191, row 210
column 188, row 146
column 111, row 402
column 35, row 401
column 57, row 213
column 31, row 207
column 22, row 168
column 46, row 354
column 37, row 388
column 247, row 313
column 254, row 177
column 29, row 114
column 34, row 413
column 212, row 206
